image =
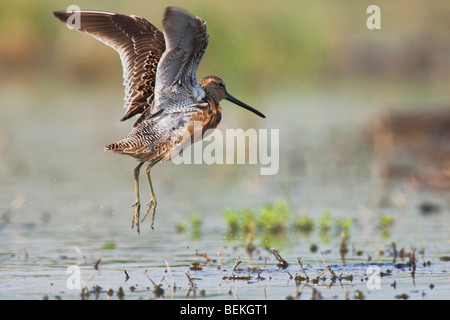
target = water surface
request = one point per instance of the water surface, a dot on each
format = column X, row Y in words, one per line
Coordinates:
column 73, row 208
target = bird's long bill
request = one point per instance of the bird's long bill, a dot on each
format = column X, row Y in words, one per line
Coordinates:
column 229, row 97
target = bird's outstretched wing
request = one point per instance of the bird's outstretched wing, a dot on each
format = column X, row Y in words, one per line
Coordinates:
column 140, row 46
column 186, row 41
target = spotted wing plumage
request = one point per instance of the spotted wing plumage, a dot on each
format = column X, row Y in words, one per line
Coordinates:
column 140, row 46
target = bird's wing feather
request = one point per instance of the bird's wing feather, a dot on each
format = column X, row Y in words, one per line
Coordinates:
column 186, row 41
column 140, row 46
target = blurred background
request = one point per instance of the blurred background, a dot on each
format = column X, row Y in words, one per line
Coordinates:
column 364, row 131
column 363, row 114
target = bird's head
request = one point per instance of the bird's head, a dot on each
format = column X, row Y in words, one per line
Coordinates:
column 215, row 88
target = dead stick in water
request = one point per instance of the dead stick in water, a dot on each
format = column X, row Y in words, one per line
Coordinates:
column 218, row 258
column 282, row 263
column 328, row 268
column 170, row 273
column 265, row 260
column 236, row 263
column 299, row 260
column 191, row 279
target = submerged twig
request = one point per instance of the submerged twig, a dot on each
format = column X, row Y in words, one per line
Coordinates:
column 196, row 265
column 158, row 290
column 204, row 255
column 234, row 276
column 148, row 277
column 170, row 273
column 265, row 267
column 85, row 289
column 191, row 279
column 327, row 269
column 412, row 260
column 299, row 260
column 96, row 264
column 260, row 277
column 236, row 263
column 282, row 263
column 83, row 257
column 343, row 248
column 237, row 277
column 219, row 252
column 331, row 270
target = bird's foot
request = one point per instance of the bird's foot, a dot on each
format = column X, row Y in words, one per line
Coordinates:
column 151, row 206
column 136, row 214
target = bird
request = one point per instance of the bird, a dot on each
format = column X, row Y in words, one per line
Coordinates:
column 161, row 86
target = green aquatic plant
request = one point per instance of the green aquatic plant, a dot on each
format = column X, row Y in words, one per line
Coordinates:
column 385, row 221
column 268, row 224
column 385, row 224
column 273, row 217
column 344, row 224
column 325, row 221
column 249, row 222
column 196, row 222
column 181, row 227
column 232, row 220
column 241, row 221
column 304, row 224
column 109, row 245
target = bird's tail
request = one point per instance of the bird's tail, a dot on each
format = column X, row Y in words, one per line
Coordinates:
column 113, row 147
column 129, row 144
column 122, row 145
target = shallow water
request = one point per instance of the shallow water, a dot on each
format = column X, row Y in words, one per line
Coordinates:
column 36, row 267
column 77, row 209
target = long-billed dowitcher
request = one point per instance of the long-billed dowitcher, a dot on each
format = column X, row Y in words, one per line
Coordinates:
column 159, row 70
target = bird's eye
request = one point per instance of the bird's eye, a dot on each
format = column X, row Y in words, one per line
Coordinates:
column 221, row 85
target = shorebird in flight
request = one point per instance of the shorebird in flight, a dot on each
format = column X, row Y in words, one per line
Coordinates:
column 159, row 71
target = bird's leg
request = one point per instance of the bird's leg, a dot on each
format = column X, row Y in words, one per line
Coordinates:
column 152, row 203
column 137, row 204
